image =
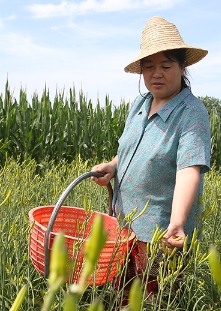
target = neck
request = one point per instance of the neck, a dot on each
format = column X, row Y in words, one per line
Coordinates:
column 160, row 101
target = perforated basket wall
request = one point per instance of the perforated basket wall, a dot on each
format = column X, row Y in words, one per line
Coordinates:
column 76, row 225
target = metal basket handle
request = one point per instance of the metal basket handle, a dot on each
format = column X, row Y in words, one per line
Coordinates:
column 59, row 204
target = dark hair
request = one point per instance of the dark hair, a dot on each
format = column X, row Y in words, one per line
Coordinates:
column 179, row 55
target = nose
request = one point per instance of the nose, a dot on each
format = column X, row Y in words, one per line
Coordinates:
column 157, row 72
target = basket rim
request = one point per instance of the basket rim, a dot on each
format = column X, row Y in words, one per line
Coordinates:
column 131, row 234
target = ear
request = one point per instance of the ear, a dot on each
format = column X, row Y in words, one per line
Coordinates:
column 182, row 67
column 141, row 66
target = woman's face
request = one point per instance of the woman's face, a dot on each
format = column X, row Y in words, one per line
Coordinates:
column 162, row 77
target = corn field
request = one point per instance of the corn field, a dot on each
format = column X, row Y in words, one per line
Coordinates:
column 60, row 130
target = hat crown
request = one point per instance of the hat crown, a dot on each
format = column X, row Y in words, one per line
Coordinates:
column 158, row 33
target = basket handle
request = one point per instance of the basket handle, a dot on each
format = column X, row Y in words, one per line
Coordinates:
column 59, row 204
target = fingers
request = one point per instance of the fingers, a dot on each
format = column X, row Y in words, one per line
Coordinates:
column 101, row 168
column 173, row 242
column 97, row 168
column 101, row 181
column 174, row 236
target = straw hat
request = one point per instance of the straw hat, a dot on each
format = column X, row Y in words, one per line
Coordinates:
column 160, row 35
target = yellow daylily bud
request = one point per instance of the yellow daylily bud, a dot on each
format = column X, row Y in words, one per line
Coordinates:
column 87, row 204
column 142, row 212
column 161, row 235
column 215, row 265
column 154, row 235
column 96, row 306
column 93, row 247
column 129, row 217
column 95, row 243
column 171, row 255
column 193, row 241
column 205, row 257
column 135, row 296
column 70, row 303
column 177, row 239
column 59, row 259
column 174, row 263
column 185, row 247
column 19, row 299
column 6, row 199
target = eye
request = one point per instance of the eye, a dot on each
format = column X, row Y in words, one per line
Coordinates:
column 166, row 67
column 148, row 67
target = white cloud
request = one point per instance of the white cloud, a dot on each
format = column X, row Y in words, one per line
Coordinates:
column 11, row 17
column 19, row 45
column 94, row 31
column 52, row 10
column 70, row 8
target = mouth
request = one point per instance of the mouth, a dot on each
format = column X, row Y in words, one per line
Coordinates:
column 157, row 84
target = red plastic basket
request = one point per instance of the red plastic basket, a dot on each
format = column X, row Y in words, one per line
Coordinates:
column 76, row 225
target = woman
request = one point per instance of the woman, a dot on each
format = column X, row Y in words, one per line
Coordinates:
column 165, row 147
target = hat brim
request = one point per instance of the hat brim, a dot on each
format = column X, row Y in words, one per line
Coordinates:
column 193, row 55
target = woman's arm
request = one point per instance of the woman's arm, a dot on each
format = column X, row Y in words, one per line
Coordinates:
column 187, row 183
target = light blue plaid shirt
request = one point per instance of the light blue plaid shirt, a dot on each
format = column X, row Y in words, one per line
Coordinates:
column 150, row 153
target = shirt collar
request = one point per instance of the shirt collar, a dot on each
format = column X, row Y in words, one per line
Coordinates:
column 146, row 104
column 165, row 111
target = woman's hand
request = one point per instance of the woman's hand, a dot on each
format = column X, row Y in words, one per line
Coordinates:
column 108, row 169
column 174, row 237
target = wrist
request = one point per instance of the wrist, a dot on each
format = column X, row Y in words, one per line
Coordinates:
column 178, row 219
column 176, row 225
column 113, row 164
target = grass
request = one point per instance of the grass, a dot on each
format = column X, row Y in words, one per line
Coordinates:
column 27, row 185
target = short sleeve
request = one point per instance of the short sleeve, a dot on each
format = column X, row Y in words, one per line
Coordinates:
column 195, row 142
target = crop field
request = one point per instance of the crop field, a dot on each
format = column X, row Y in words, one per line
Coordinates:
column 62, row 128
column 27, row 185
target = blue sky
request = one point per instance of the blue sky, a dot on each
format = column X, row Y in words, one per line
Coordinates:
column 88, row 43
